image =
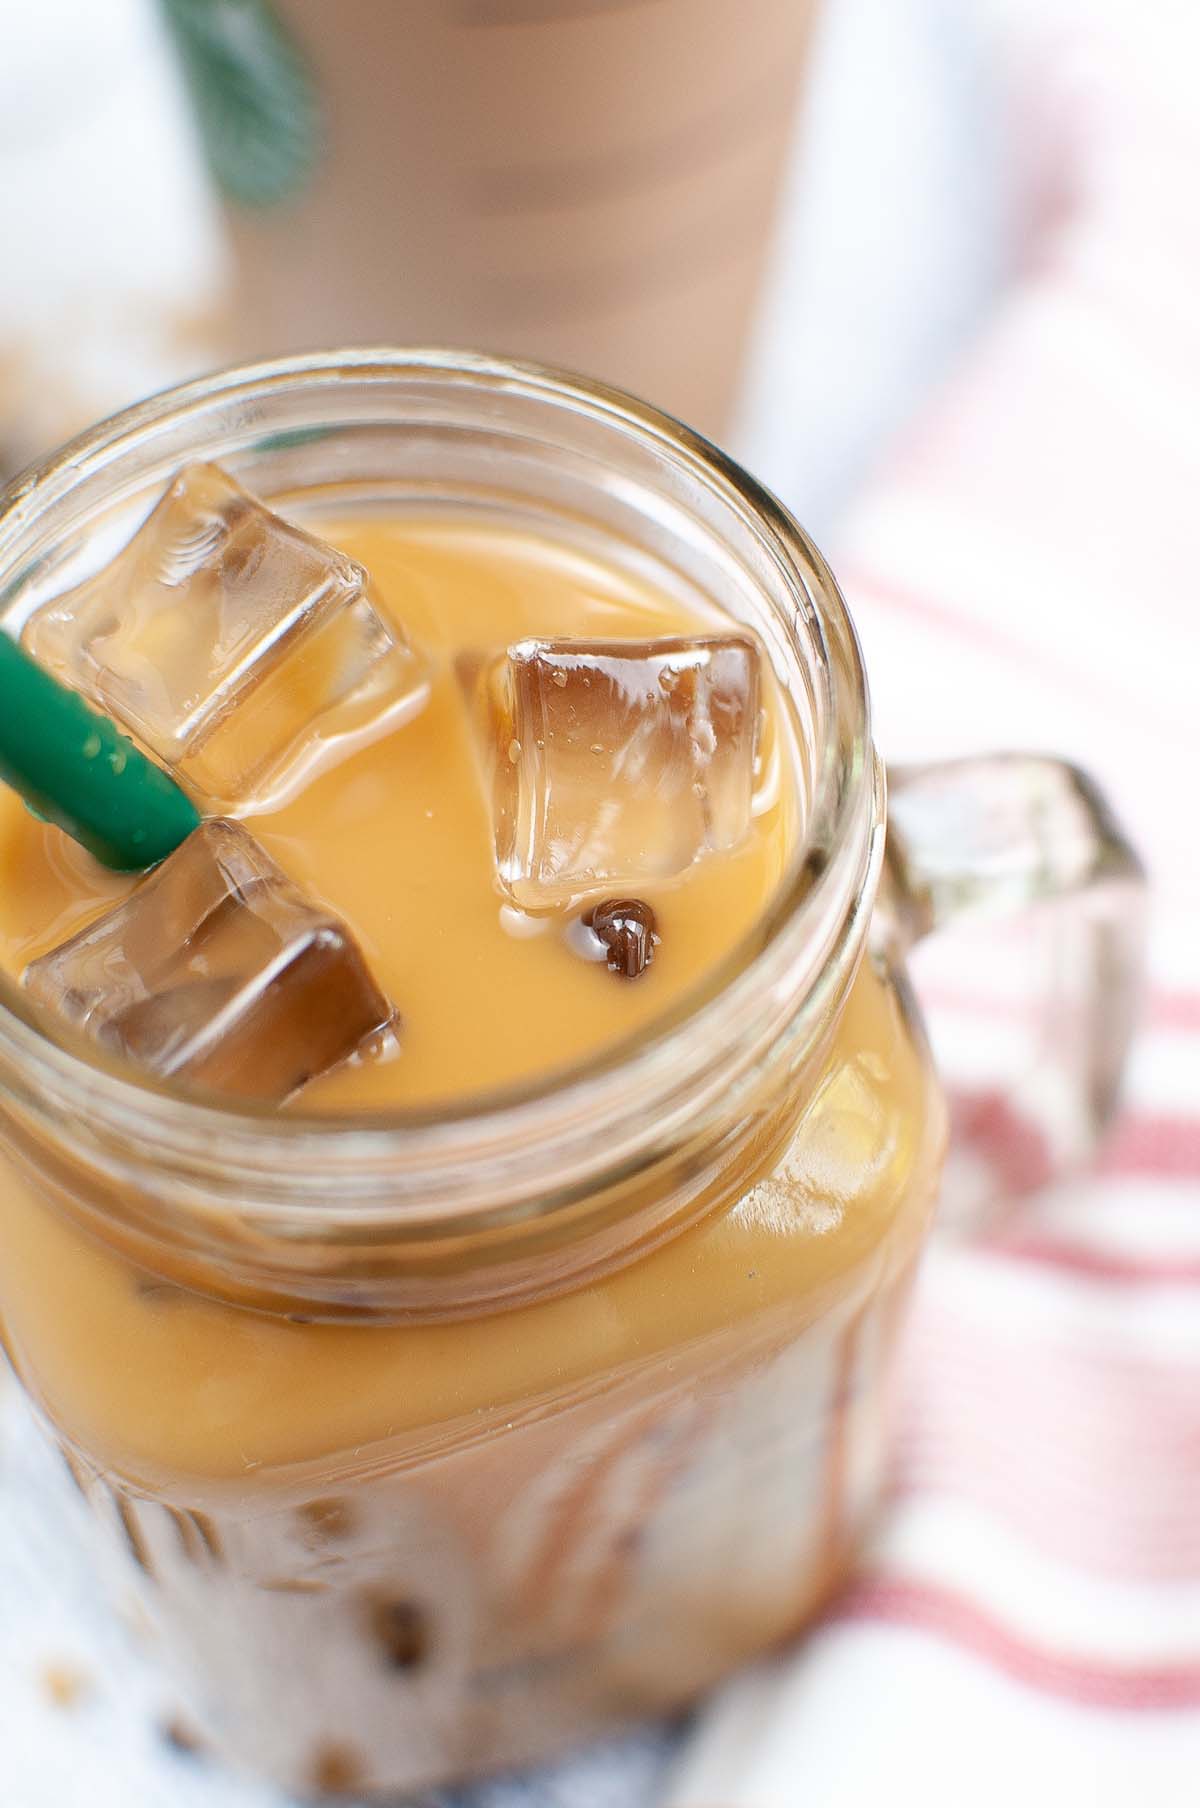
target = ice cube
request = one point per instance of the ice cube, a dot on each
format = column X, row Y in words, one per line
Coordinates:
column 218, row 970
column 614, row 762
column 242, row 651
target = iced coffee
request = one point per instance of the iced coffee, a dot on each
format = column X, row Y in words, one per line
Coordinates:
column 489, row 813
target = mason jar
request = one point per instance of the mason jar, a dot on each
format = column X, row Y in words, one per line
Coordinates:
column 431, row 1442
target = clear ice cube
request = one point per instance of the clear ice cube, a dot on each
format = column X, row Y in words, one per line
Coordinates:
column 217, row 969
column 614, row 762
column 242, row 651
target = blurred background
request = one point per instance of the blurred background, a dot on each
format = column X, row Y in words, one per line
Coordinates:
column 634, row 190
column 931, row 269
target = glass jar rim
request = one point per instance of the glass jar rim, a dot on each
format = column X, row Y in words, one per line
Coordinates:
column 816, row 916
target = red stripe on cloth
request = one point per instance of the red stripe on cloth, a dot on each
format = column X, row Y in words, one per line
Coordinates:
column 1107, row 1266
column 1095, row 1371
column 1153, row 1144
column 1147, row 1143
column 975, row 630
column 1163, row 1010
column 1081, row 1436
column 1067, row 1520
column 1125, row 1546
column 1088, row 1681
column 1174, row 1010
column 967, row 627
column 1015, row 1147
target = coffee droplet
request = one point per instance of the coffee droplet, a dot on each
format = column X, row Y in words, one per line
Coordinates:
column 337, row 1770
column 401, row 1630
column 181, row 1737
column 628, row 929
column 326, row 1521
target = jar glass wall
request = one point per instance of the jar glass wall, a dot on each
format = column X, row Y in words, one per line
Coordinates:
column 437, row 1441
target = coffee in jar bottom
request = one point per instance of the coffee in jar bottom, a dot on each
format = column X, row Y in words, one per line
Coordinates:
column 379, row 1555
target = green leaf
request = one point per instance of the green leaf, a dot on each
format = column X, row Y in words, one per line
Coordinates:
column 254, row 94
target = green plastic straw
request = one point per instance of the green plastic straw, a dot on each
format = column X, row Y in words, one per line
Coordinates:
column 75, row 767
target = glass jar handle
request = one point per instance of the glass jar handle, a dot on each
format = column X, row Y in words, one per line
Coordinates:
column 1032, row 844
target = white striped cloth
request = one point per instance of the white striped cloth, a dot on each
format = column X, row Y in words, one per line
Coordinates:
column 1025, row 573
